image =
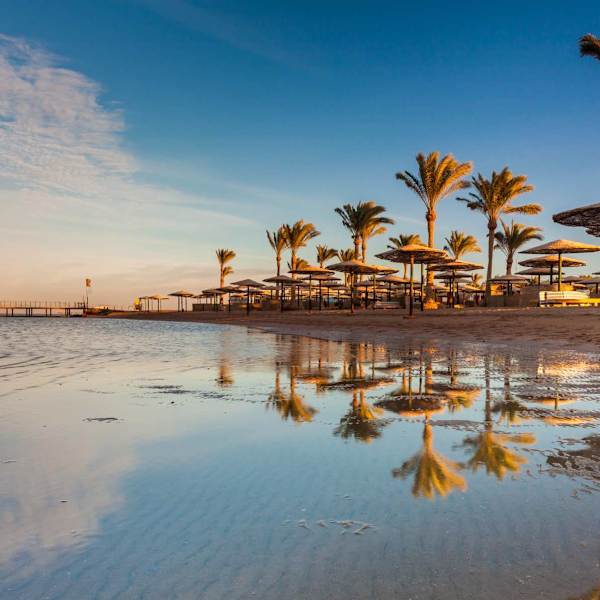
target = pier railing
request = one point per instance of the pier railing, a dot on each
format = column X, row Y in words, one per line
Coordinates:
column 41, row 304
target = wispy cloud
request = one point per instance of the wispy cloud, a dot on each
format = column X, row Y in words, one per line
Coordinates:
column 66, row 176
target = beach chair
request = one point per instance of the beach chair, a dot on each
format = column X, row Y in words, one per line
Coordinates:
column 567, row 298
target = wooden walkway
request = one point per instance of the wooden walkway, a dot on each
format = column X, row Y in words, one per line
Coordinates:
column 40, row 308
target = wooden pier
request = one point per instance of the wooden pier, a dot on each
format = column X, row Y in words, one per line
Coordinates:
column 40, row 308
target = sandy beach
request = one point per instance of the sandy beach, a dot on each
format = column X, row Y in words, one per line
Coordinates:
column 571, row 328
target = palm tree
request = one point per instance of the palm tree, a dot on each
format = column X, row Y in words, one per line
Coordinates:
column 476, row 281
column 514, row 236
column 459, row 243
column 345, row 255
column 351, row 221
column 364, row 222
column 325, row 253
column 589, row 45
column 493, row 198
column 300, row 264
column 404, row 240
column 224, row 256
column 371, row 223
column 278, row 242
column 296, row 237
column 436, row 180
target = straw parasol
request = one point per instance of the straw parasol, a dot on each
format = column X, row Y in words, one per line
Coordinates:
column 228, row 289
column 551, row 262
column 182, row 296
column 353, row 267
column 311, row 270
column 414, row 254
column 248, row 283
column 592, row 281
column 583, row 216
column 280, row 280
column 560, row 247
column 159, row 298
column 454, row 266
column 509, row 280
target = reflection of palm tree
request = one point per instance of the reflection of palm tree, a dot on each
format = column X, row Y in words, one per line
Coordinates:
column 434, row 474
column 225, row 378
column 362, row 420
column 489, row 448
column 290, row 406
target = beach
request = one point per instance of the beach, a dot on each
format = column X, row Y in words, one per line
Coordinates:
column 569, row 328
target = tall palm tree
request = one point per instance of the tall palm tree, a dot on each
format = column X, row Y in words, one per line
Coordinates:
column 514, row 236
column 325, row 253
column 372, row 223
column 459, row 244
column 296, row 237
column 436, row 180
column 476, row 281
column 224, row 256
column 403, row 240
column 351, row 221
column 589, row 45
column 278, row 242
column 364, row 221
column 494, row 198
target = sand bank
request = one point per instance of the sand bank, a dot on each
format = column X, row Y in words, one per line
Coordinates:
column 573, row 327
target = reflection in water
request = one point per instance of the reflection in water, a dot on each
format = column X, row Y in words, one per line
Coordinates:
column 361, row 422
column 488, row 449
column 213, row 451
column 433, row 473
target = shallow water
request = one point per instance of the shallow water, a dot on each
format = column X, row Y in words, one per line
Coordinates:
column 169, row 460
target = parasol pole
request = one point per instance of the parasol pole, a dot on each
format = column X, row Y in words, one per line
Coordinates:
column 559, row 271
column 410, row 295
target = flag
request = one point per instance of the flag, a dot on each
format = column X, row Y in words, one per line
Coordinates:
column 88, row 282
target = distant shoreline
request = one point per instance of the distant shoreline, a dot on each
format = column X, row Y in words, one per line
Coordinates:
column 557, row 328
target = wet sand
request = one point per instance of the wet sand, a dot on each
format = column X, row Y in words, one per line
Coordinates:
column 568, row 328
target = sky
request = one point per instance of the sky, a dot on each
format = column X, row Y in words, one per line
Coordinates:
column 137, row 136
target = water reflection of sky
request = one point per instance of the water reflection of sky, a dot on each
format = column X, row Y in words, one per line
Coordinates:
column 245, row 464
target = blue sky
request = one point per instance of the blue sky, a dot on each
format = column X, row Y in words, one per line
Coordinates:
column 146, row 133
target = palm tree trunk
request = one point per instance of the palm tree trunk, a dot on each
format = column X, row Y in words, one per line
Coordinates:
column 431, row 217
column 491, row 231
column 364, row 250
column 509, row 263
column 356, row 247
column 278, row 265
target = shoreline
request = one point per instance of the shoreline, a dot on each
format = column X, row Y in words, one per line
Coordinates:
column 568, row 328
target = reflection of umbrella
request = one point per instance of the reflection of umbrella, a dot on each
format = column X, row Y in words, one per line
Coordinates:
column 248, row 283
column 434, row 473
column 560, row 247
column 413, row 254
column 353, row 267
column 182, row 296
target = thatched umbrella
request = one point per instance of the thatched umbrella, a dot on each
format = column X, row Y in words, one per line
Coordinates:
column 248, row 283
column 393, row 280
column 592, row 281
column 560, row 247
column 536, row 272
column 281, row 281
column 159, row 298
column 182, row 296
column 455, row 266
column 228, row 289
column 551, row 262
column 414, row 254
column 583, row 216
column 311, row 270
column 509, row 280
column 354, row 267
